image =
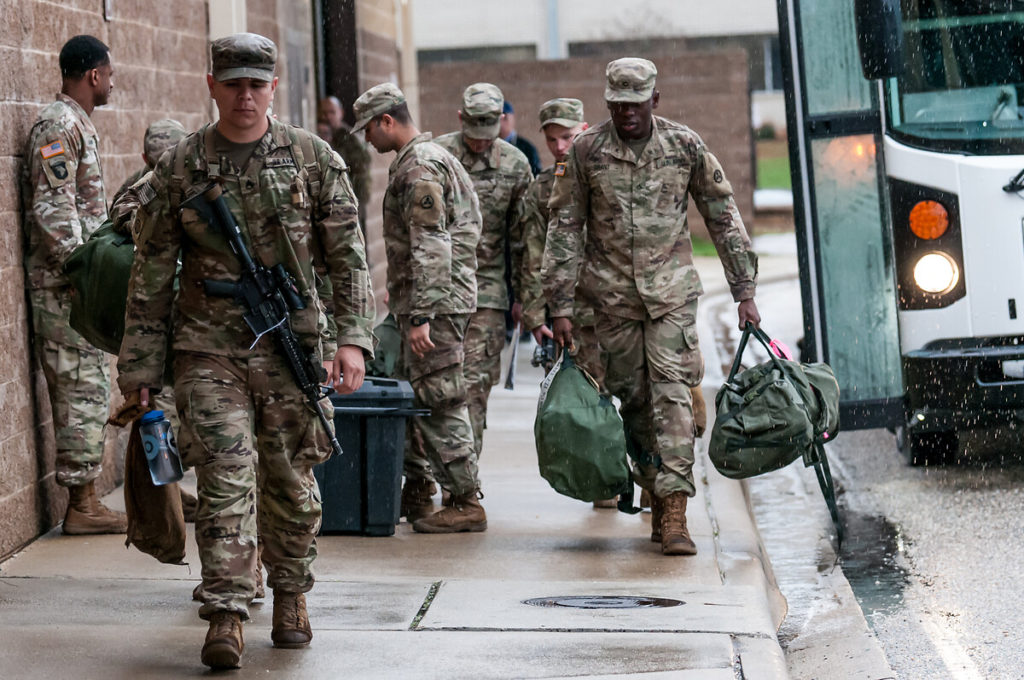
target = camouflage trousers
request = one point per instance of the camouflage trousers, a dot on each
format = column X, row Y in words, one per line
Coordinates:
column 246, row 428
column 78, row 381
column 485, row 338
column 651, row 367
column 442, row 442
column 588, row 353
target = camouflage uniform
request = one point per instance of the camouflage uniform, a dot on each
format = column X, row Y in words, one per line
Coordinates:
column 294, row 204
column 357, row 158
column 567, row 113
column 636, row 251
column 64, row 204
column 431, row 228
column 160, row 136
column 501, row 177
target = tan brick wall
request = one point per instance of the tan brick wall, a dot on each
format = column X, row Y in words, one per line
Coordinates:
column 378, row 60
column 708, row 91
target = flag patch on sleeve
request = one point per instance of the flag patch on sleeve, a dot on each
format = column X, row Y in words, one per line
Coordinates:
column 51, row 150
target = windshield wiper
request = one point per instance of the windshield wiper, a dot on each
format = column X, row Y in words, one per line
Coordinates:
column 1016, row 184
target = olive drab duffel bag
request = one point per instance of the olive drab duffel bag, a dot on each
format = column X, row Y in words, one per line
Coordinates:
column 773, row 413
column 99, row 270
column 581, row 445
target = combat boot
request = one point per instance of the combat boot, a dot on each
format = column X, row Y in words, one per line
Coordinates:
column 417, row 499
column 291, row 628
column 657, row 510
column 224, row 645
column 675, row 539
column 464, row 514
column 612, row 502
column 86, row 515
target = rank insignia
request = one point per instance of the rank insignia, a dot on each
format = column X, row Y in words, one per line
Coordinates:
column 51, row 150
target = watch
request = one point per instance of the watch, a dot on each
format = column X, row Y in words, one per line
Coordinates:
column 419, row 320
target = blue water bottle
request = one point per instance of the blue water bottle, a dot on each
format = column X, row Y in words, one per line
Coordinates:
column 161, row 451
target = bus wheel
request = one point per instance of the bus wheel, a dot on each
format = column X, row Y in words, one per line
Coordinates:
column 927, row 448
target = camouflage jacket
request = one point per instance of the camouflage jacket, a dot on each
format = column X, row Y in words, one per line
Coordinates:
column 63, row 190
column 625, row 220
column 132, row 179
column 357, row 157
column 303, row 217
column 501, row 177
column 431, row 231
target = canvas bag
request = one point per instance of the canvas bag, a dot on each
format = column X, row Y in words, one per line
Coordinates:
column 581, row 445
column 99, row 271
column 771, row 414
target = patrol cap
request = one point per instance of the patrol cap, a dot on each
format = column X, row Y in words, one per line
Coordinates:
column 482, row 106
column 375, row 101
column 630, row 79
column 243, row 55
column 161, row 135
column 563, row 111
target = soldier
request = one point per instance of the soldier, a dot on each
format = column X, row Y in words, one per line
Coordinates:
column 501, row 176
column 625, row 182
column 238, row 404
column 160, row 136
column 64, row 204
column 431, row 229
column 330, row 124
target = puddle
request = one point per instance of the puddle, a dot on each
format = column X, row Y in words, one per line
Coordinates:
column 873, row 559
column 603, row 602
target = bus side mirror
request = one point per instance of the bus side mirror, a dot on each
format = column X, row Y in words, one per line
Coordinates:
column 880, row 37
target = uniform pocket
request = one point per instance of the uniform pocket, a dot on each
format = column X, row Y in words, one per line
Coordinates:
column 316, row 442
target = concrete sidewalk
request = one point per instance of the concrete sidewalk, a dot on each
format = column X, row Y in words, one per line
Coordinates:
column 423, row 606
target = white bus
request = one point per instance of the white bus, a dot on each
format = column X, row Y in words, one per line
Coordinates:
column 907, row 154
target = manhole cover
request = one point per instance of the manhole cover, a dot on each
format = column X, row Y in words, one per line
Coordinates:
column 603, row 602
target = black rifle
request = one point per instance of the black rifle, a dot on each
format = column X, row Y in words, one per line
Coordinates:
column 269, row 296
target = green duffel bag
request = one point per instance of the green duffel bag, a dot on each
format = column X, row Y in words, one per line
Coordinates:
column 581, row 446
column 99, row 270
column 771, row 414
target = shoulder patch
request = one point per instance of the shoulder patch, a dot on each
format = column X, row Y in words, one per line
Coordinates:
column 560, row 169
column 51, row 150
column 427, row 202
column 60, row 169
column 717, row 176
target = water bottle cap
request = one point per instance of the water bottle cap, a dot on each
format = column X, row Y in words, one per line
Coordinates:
column 152, row 417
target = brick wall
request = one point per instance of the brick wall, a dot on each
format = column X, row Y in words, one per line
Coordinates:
column 159, row 57
column 378, row 59
column 706, row 90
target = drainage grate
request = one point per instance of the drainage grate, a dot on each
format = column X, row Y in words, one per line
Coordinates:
column 603, row 602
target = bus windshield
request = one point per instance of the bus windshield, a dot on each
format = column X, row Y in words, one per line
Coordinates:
column 962, row 89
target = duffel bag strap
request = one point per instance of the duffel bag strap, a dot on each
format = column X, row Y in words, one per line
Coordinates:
column 816, row 457
column 762, row 337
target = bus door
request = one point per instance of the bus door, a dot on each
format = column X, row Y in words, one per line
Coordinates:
column 844, row 241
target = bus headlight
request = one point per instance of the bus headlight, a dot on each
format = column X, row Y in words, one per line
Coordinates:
column 936, row 273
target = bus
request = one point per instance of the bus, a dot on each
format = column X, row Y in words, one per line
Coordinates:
column 906, row 140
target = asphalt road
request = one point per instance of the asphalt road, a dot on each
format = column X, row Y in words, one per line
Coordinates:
column 934, row 555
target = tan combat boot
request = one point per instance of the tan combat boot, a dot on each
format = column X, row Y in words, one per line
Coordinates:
column 657, row 510
column 417, row 499
column 675, row 539
column 464, row 514
column 224, row 645
column 86, row 515
column 291, row 628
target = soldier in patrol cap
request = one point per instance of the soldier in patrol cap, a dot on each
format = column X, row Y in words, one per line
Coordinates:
column 237, row 401
column 65, row 203
column 501, row 176
column 160, row 136
column 641, row 260
column 431, row 228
